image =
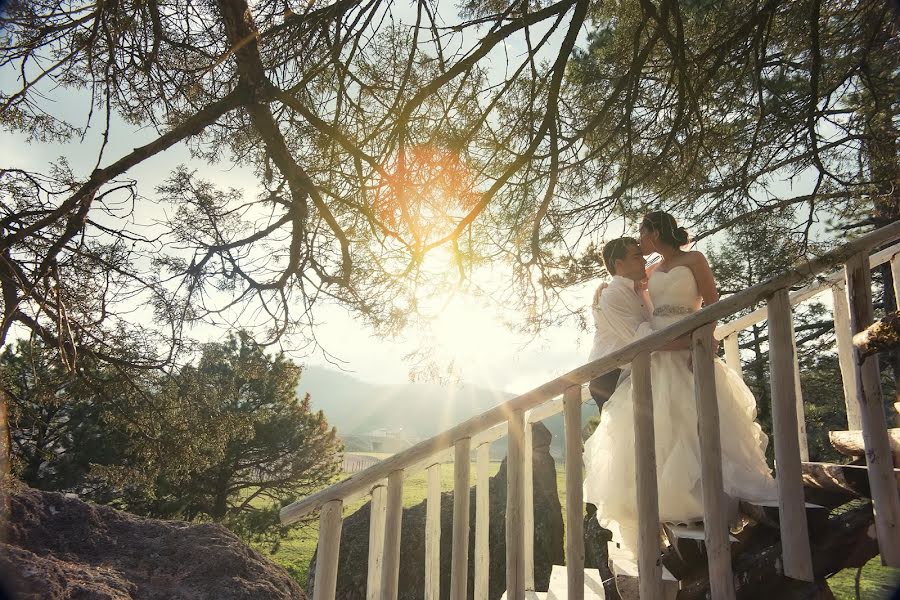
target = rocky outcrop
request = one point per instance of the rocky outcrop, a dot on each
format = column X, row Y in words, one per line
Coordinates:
column 548, row 536
column 56, row 547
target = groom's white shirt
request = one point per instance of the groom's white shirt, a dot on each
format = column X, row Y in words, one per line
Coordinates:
column 621, row 316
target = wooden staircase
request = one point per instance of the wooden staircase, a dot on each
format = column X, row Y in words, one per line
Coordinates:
column 850, row 289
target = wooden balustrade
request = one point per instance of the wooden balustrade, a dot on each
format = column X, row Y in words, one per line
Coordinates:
column 733, row 354
column 459, row 558
column 515, row 500
column 849, row 370
column 791, row 504
column 433, row 534
column 574, row 494
column 330, row 522
column 528, row 505
column 482, row 521
column 852, row 312
column 390, row 572
column 874, row 426
column 377, row 514
column 715, row 504
column 649, row 568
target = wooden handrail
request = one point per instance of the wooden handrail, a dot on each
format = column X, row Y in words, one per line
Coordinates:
column 805, row 293
column 364, row 480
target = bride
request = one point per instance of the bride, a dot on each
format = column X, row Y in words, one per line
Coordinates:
column 678, row 285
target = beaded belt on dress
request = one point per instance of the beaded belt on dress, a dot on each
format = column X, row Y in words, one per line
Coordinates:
column 671, row 310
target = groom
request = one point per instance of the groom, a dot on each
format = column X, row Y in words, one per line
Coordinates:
column 621, row 306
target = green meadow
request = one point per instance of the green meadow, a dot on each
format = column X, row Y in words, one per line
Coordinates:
column 295, row 551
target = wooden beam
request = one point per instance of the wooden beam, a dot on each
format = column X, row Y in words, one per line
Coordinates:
column 733, row 355
column 649, row 567
column 849, row 369
column 798, row 399
column 528, row 505
column 482, row 521
column 881, row 336
column 852, row 443
column 805, row 293
column 459, row 563
column 715, row 517
column 390, row 573
column 515, row 492
column 330, row 521
column 791, row 503
column 433, row 534
column 574, row 494
column 878, row 451
column 377, row 513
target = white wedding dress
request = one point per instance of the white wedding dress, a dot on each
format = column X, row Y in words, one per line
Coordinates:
column 609, row 453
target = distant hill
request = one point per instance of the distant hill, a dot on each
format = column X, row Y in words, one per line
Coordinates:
column 420, row 410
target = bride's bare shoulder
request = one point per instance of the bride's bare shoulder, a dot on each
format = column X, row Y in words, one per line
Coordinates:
column 696, row 258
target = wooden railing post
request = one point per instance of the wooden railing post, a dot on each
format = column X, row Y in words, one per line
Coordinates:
column 459, row 559
column 330, row 522
column 649, row 568
column 528, row 504
column 874, row 426
column 798, row 396
column 791, row 503
column 715, row 518
column 482, row 521
column 390, row 574
column 515, row 492
column 433, row 534
column 733, row 354
column 377, row 512
column 849, row 369
column 574, row 494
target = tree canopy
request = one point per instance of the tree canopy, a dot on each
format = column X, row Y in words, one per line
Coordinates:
column 397, row 150
column 225, row 439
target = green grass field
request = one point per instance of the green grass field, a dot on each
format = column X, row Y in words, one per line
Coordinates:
column 297, row 549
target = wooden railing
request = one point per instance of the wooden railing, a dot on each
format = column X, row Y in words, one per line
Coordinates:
column 384, row 481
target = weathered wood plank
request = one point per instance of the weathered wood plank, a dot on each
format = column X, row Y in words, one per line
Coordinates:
column 649, row 568
column 330, row 521
column 878, row 451
column 852, row 443
column 849, row 369
column 515, row 523
column 715, row 517
column 798, row 397
column 733, row 355
column 528, row 505
column 794, row 529
column 433, row 534
column 574, row 494
column 482, row 521
column 459, row 558
column 390, row 573
column 378, row 511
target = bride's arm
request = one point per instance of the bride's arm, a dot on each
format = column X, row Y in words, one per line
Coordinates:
column 706, row 284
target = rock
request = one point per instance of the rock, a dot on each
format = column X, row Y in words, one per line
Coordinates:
column 548, row 536
column 596, row 555
column 58, row 547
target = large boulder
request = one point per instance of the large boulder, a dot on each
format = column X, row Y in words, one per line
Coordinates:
column 58, row 547
column 548, row 536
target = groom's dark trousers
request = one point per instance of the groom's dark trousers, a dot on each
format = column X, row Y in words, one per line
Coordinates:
column 602, row 387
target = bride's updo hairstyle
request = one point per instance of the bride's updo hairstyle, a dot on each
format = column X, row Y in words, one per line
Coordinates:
column 664, row 224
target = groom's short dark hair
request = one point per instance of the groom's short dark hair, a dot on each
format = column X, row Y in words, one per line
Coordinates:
column 616, row 249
